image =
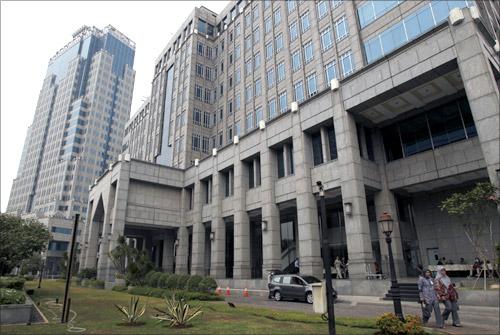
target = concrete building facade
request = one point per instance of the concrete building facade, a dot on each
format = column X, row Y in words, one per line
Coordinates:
column 391, row 105
column 77, row 130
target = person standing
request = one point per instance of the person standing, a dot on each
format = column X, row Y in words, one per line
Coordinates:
column 296, row 265
column 429, row 298
column 338, row 268
column 448, row 295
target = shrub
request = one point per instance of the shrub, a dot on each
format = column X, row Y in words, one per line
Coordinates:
column 172, row 281
column 119, row 288
column 389, row 324
column 207, row 284
column 182, row 281
column 162, row 282
column 177, row 312
column 193, row 283
column 162, row 293
column 147, row 277
column 94, row 283
column 28, row 277
column 10, row 296
column 88, row 273
column 133, row 312
column 155, row 277
column 16, row 283
column 147, row 291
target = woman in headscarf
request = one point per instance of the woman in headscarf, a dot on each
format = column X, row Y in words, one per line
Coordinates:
column 448, row 295
column 429, row 298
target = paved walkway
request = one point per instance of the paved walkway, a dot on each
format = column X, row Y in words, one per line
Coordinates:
column 475, row 319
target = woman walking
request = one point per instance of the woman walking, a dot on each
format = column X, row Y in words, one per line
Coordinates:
column 429, row 298
column 448, row 295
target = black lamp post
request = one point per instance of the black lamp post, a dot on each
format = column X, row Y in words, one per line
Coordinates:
column 326, row 262
column 387, row 224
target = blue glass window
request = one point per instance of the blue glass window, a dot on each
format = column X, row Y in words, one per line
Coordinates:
column 298, row 89
column 282, row 102
column 330, row 72
column 269, row 50
column 308, row 52
column 322, row 9
column 281, row 71
column 271, row 108
column 296, row 61
column 326, row 38
column 304, row 22
column 279, row 42
column 293, row 31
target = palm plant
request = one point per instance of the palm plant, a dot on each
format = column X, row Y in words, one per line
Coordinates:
column 134, row 312
column 178, row 313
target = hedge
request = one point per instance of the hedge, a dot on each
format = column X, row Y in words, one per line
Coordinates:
column 119, row 288
column 93, row 283
column 10, row 296
column 193, row 283
column 16, row 283
column 155, row 278
column 181, row 294
column 162, row 281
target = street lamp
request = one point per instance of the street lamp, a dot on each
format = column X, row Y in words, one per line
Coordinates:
column 326, row 262
column 387, row 224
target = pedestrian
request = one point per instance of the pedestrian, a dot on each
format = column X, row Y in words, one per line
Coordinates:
column 338, row 268
column 448, row 295
column 296, row 265
column 345, row 267
column 429, row 299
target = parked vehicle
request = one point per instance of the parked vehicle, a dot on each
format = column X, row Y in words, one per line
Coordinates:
column 290, row 286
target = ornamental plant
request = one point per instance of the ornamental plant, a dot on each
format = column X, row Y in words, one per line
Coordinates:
column 133, row 312
column 177, row 313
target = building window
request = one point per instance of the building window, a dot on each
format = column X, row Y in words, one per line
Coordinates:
column 281, row 72
column 269, row 50
column 312, row 87
column 291, row 5
column 208, row 73
column 281, row 162
column 332, row 142
column 201, row 49
column 258, row 88
column 199, row 70
column 230, row 107
column 277, row 17
column 248, row 19
column 293, row 31
column 336, row 3
column 237, row 128
column 249, row 122
column 317, row 147
column 196, row 116
column 271, row 108
column 283, row 105
column 195, row 142
column 237, row 76
column 308, row 52
column 296, row 61
column 248, row 94
column 256, row 13
column 347, row 64
column 330, row 72
column 206, row 120
column 371, row 10
column 258, row 115
column 237, row 101
column 279, row 42
column 248, row 42
column 237, row 29
column 256, row 61
column 248, row 67
column 268, row 25
column 205, row 145
column 304, row 22
column 322, row 9
column 341, row 28
column 326, row 39
column 237, row 52
column 270, row 77
column 256, row 35
column 298, row 89
column 208, row 95
column 229, row 134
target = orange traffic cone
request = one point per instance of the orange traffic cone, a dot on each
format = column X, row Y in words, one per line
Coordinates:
column 245, row 293
column 228, row 291
column 218, row 290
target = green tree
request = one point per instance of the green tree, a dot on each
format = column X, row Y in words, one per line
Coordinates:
column 479, row 209
column 19, row 239
column 119, row 256
column 32, row 265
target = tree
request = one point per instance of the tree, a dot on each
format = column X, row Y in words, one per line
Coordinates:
column 63, row 265
column 19, row 239
column 120, row 255
column 32, row 265
column 478, row 207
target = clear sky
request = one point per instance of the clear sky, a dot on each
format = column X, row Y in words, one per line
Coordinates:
column 32, row 32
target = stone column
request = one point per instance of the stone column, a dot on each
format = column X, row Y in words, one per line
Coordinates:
column 286, row 159
column 198, row 245
column 271, row 238
column 324, row 145
column 90, row 252
column 386, row 202
column 256, row 173
column 481, row 89
column 218, row 266
column 241, row 268
column 307, row 213
column 357, row 226
column 168, row 252
column 104, row 263
column 181, row 257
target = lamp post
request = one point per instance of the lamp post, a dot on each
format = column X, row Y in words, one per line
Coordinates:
column 387, row 224
column 326, row 262
column 42, row 267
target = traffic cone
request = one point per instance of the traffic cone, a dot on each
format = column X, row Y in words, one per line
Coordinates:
column 218, row 290
column 245, row 293
column 228, row 291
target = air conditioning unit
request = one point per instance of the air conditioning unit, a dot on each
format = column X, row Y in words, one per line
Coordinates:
column 456, row 16
column 120, row 157
column 262, row 124
column 196, row 162
column 474, row 13
column 334, row 84
column 195, row 31
column 110, row 167
column 127, row 157
column 214, row 152
column 225, row 26
column 236, row 139
column 295, row 106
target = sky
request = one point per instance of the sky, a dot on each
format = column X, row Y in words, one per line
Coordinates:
column 32, row 32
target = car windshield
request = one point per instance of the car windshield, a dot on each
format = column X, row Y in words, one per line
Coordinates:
column 311, row 279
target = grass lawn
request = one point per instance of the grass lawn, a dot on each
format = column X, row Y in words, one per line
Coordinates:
column 97, row 314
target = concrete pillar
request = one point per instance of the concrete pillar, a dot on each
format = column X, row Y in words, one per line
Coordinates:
column 271, row 238
column 168, row 252
column 218, row 259
column 92, row 227
column 307, row 213
column 198, row 245
column 357, row 226
column 286, row 159
column 182, row 252
column 324, row 144
column 481, row 89
column 256, row 172
column 241, row 268
column 105, row 268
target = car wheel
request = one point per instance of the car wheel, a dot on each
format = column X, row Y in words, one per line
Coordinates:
column 309, row 297
column 277, row 296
